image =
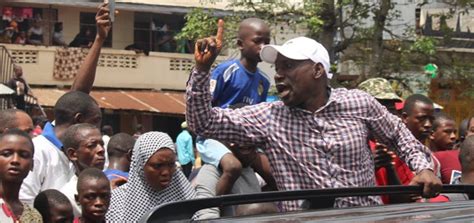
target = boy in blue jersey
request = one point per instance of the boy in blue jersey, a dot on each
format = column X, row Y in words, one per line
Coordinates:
column 238, row 82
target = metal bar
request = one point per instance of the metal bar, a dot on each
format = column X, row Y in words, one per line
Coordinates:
column 184, row 210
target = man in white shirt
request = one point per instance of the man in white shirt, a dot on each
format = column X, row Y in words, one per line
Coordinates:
column 51, row 167
column 84, row 147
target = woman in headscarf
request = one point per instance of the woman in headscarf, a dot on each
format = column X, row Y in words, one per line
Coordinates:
column 153, row 180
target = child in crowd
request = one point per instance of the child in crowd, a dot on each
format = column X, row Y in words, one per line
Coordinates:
column 16, row 161
column 54, row 206
column 93, row 196
column 83, row 146
column 442, row 142
column 443, row 136
column 235, row 82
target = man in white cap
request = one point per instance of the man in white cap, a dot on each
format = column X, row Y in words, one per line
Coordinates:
column 316, row 137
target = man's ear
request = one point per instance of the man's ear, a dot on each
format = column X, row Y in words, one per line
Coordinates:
column 239, row 44
column 404, row 117
column 318, row 70
column 78, row 118
column 71, row 154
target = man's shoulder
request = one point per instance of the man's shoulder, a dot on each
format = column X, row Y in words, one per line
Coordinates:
column 42, row 143
column 349, row 95
column 226, row 69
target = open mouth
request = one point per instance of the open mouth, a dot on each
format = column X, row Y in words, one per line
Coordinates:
column 282, row 89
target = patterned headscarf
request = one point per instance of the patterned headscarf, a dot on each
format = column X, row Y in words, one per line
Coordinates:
column 132, row 200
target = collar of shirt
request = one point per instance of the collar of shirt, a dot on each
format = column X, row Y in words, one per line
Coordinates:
column 332, row 98
column 48, row 133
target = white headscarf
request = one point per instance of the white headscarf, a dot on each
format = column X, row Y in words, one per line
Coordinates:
column 132, row 200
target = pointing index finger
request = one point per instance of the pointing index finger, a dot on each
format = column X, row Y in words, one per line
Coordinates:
column 220, row 33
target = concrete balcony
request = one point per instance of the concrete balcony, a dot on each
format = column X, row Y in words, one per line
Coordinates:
column 116, row 68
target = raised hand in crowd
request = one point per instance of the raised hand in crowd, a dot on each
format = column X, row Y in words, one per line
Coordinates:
column 207, row 49
column 86, row 74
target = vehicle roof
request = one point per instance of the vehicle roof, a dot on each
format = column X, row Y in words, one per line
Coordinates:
column 459, row 211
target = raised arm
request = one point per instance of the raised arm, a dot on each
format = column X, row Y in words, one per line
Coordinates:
column 86, row 74
column 242, row 126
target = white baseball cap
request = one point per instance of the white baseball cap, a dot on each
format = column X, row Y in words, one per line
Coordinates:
column 299, row 48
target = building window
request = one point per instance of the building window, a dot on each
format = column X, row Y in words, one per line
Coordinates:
column 155, row 32
column 87, row 22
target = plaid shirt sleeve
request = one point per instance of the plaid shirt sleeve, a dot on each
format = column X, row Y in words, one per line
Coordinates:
column 391, row 131
column 244, row 126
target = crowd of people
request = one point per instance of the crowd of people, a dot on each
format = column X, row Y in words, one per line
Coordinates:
column 314, row 137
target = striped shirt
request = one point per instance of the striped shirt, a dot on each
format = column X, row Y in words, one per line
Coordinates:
column 327, row 148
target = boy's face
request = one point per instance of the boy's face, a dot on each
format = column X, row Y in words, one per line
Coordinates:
column 16, row 158
column 420, row 120
column 61, row 213
column 94, row 198
column 91, row 152
column 257, row 35
column 444, row 137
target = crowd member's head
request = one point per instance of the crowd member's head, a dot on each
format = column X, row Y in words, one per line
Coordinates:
column 119, row 150
column 15, row 118
column 153, row 179
column 443, row 136
column 417, row 114
column 470, row 127
column 462, row 130
column 302, row 72
column 466, row 157
column 381, row 90
column 77, row 107
column 245, row 154
column 18, row 71
column 107, row 130
column 54, row 206
column 83, row 146
column 16, row 160
column 93, row 195
column 252, row 35
column 39, row 121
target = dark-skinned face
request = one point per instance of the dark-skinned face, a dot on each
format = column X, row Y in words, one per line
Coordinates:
column 295, row 81
column 420, row 120
column 159, row 169
column 250, row 44
column 444, row 136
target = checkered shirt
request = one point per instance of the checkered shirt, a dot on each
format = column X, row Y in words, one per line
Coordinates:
column 327, row 148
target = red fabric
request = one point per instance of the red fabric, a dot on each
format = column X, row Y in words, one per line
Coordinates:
column 8, row 212
column 438, row 199
column 402, row 170
column 77, row 220
column 449, row 161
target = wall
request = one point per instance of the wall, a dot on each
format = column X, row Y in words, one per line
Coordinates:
column 116, row 69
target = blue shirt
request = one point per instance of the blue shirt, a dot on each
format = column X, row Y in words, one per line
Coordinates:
column 184, row 144
column 232, row 84
column 48, row 133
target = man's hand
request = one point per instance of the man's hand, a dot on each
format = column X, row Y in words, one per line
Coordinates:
column 206, row 50
column 431, row 184
column 102, row 21
column 383, row 157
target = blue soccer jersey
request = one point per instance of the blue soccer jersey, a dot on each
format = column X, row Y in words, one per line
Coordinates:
column 232, row 84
